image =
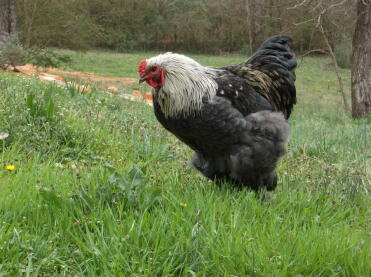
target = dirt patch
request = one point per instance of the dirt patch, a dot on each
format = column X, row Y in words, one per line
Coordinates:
column 57, row 76
column 87, row 77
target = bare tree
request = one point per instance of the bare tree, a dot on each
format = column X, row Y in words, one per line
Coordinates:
column 12, row 17
column 361, row 95
column 8, row 19
column 319, row 11
column 29, row 9
column 3, row 25
column 254, row 11
column 333, row 57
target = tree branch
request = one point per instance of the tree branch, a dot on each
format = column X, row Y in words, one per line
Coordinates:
column 304, row 2
column 341, row 86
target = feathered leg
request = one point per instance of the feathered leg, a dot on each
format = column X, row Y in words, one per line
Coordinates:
column 253, row 161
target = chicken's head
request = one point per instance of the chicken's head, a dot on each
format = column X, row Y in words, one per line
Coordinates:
column 180, row 83
column 154, row 75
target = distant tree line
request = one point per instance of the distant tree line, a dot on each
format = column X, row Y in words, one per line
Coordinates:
column 206, row 26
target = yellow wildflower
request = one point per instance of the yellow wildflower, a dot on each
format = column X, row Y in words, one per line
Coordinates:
column 10, row 167
column 183, row 205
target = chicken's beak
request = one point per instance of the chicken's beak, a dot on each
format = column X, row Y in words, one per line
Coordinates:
column 142, row 79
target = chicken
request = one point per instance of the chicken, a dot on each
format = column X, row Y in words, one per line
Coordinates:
column 233, row 117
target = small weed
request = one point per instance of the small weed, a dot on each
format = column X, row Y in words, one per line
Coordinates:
column 129, row 192
column 44, row 108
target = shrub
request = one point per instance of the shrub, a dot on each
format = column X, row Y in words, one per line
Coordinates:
column 12, row 52
column 343, row 53
column 47, row 57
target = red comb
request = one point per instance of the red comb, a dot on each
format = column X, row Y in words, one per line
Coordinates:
column 142, row 67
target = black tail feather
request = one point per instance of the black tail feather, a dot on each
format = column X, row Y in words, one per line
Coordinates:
column 277, row 48
column 276, row 59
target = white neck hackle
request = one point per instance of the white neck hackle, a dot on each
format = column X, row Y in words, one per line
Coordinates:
column 186, row 83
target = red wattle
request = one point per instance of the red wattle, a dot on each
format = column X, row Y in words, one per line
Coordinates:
column 142, row 68
column 152, row 83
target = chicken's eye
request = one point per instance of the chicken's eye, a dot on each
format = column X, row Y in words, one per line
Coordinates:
column 153, row 69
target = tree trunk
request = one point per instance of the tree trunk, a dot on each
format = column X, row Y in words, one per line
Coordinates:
column 12, row 17
column 254, row 11
column 3, row 22
column 8, row 19
column 361, row 95
column 249, row 14
column 29, row 21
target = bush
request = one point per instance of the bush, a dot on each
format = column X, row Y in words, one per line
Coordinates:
column 47, row 57
column 343, row 53
column 12, row 52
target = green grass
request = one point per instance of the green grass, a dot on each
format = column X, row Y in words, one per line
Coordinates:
column 101, row 189
column 112, row 64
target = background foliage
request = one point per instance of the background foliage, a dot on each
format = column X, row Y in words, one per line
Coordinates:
column 190, row 25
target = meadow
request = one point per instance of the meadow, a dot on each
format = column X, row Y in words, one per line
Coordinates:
column 99, row 188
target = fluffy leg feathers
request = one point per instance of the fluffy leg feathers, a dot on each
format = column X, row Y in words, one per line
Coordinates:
column 251, row 162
